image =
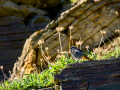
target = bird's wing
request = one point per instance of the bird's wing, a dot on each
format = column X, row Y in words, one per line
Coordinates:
column 77, row 54
column 81, row 51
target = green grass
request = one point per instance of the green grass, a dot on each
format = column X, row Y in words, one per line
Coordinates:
column 34, row 81
column 71, row 1
column 46, row 78
column 111, row 53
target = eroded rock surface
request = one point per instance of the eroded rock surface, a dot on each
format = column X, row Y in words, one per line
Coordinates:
column 86, row 18
column 93, row 75
column 17, row 22
column 38, row 3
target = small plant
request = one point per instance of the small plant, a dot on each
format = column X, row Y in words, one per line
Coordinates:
column 34, row 81
column 111, row 53
column 70, row 28
column 71, row 1
column 46, row 78
column 59, row 29
column 80, row 42
column 92, row 55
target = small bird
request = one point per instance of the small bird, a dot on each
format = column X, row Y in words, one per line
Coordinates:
column 78, row 54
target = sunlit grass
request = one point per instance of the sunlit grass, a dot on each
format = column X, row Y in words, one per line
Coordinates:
column 46, row 78
column 34, row 81
column 72, row 1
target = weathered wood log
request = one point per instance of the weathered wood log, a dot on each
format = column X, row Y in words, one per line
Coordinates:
column 86, row 18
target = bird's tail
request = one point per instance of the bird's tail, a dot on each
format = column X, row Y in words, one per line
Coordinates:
column 85, row 57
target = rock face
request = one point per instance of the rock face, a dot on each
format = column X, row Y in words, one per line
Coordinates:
column 38, row 3
column 90, row 75
column 17, row 22
column 84, row 20
column 13, row 9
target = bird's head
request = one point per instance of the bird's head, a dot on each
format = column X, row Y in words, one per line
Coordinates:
column 72, row 47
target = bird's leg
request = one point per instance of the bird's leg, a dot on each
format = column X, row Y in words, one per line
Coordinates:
column 77, row 61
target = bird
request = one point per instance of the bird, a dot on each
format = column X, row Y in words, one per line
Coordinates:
column 78, row 54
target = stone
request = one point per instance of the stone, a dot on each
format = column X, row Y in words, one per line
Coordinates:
column 30, row 63
column 19, row 11
column 29, row 11
column 39, row 19
column 11, row 9
column 47, row 4
column 64, row 8
column 11, row 20
column 93, row 75
column 38, row 3
column 28, row 2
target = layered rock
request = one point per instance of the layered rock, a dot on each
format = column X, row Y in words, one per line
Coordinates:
column 17, row 22
column 38, row 3
column 13, row 9
column 86, row 19
column 93, row 75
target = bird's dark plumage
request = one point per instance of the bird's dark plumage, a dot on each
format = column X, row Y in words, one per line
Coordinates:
column 78, row 54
